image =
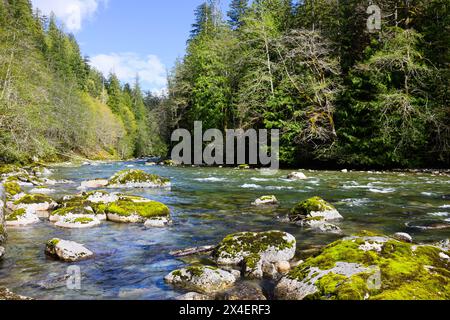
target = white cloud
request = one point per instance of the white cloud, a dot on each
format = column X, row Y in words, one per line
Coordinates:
column 126, row 66
column 71, row 12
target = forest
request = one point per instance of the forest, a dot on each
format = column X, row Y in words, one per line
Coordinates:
column 54, row 106
column 341, row 94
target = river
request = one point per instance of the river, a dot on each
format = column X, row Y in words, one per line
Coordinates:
column 207, row 204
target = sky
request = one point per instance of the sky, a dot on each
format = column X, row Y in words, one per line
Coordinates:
column 128, row 37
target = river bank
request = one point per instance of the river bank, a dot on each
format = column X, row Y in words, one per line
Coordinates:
column 206, row 205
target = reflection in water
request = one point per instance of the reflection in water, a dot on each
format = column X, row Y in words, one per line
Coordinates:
column 207, row 204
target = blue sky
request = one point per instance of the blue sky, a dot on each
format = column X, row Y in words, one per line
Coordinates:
column 128, row 36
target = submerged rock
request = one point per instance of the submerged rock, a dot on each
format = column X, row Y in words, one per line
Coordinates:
column 202, row 279
column 137, row 179
column 401, row 236
column 369, row 267
column 297, row 176
column 67, row 251
column 160, row 222
column 265, row 201
column 94, row 184
column 6, row 294
column 254, row 250
column 193, row 296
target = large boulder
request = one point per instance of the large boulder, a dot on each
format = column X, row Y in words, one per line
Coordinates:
column 370, row 267
column 137, row 210
column 74, row 222
column 35, row 203
column 316, row 213
column 202, row 279
column 254, row 250
column 21, row 217
column 67, row 251
column 137, row 179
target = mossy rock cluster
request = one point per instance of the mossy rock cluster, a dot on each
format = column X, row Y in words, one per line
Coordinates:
column 137, row 177
column 12, row 188
column 272, row 246
column 370, row 268
column 16, row 215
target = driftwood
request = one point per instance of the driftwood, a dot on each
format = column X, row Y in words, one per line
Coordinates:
column 192, row 251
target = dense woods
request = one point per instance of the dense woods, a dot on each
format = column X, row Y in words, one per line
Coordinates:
column 340, row 94
column 54, row 105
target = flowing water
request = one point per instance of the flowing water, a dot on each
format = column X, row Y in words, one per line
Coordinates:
column 207, row 204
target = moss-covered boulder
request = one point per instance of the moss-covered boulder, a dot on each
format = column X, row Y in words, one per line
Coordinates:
column 68, row 214
column 137, row 179
column 370, row 267
column 21, row 217
column 35, row 202
column 254, row 250
column 67, row 251
column 316, row 213
column 78, row 222
column 202, row 279
column 135, row 210
column 265, row 201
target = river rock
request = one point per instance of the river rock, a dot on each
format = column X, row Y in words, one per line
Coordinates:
column 265, row 201
column 21, row 217
column 253, row 250
column 158, row 222
column 94, row 184
column 369, row 267
column 202, row 279
column 6, row 294
column 314, row 209
column 193, row 296
column 2, row 252
column 137, row 210
column 76, row 213
column 77, row 222
column 401, row 236
column 283, row 266
column 67, row 251
column 137, row 179
column 243, row 291
column 35, row 203
column 297, row 176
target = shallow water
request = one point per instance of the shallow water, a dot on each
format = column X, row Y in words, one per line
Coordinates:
column 207, row 204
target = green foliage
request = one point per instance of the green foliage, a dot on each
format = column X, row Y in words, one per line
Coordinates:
column 53, row 105
column 339, row 93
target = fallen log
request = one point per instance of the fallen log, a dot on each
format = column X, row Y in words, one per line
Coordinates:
column 192, row 251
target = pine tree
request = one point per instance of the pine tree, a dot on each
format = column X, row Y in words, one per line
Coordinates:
column 238, row 9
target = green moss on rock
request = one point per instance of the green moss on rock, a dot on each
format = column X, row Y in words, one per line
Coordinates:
column 34, row 199
column 126, row 208
column 15, row 215
column 12, row 188
column 136, row 176
column 407, row 272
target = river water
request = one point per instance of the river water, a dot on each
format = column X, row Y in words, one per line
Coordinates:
column 207, row 204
